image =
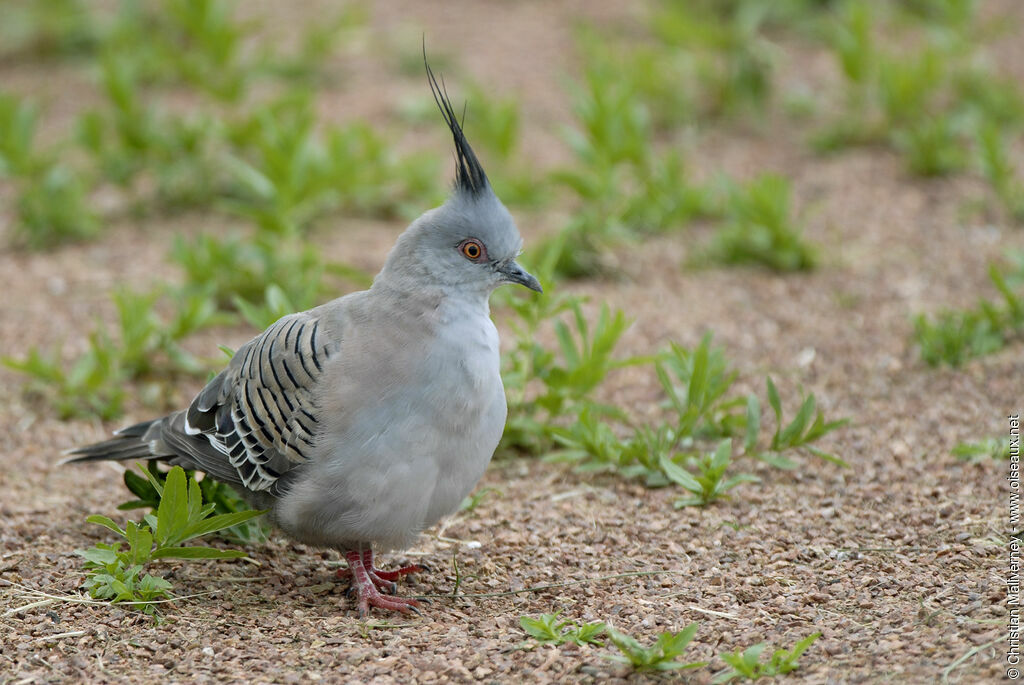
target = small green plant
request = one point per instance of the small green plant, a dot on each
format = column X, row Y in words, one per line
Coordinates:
column 807, row 426
column 232, row 270
column 203, row 43
column 709, row 483
column 623, row 187
column 287, row 175
column 223, row 497
column 495, row 124
column 925, row 103
column 476, row 498
column 989, row 448
column 747, row 665
column 117, row 575
column 998, row 169
column 276, row 304
column 760, row 229
column 696, row 383
column 567, row 379
column 661, row 656
column 321, row 38
column 932, row 146
column 954, row 336
column 732, row 55
column 552, row 629
column 146, row 345
column 163, row 161
column 18, row 118
column 47, row 29
column 89, row 387
column 53, row 208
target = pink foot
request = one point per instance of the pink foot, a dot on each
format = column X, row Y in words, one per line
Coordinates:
column 367, row 581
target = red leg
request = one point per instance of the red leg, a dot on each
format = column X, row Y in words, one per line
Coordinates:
column 366, row 581
column 380, row 577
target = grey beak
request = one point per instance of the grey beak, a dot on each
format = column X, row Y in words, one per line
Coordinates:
column 514, row 273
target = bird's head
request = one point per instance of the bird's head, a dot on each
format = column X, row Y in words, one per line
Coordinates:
column 470, row 243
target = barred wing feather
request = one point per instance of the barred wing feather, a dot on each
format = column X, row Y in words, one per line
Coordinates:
column 260, row 413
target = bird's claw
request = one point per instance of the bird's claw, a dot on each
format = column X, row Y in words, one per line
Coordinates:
column 373, row 598
column 368, row 582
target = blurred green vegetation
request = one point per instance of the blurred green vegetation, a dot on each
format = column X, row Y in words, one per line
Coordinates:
column 195, row 106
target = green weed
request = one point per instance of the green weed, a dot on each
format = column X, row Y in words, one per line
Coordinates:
column 623, row 189
column 954, row 336
column 495, row 125
column 709, row 483
column 567, row 378
column 231, row 268
column 661, row 656
column 181, row 42
column 165, row 161
column 999, row 170
column 989, row 448
column 747, row 665
column 262, row 277
column 760, row 229
column 925, row 103
column 807, row 426
column 117, row 575
column 476, row 498
column 147, row 345
column 18, row 118
column 318, row 43
column 52, row 198
column 53, row 208
column 696, row 384
column 287, row 176
column 47, row 29
column 223, row 497
column 734, row 62
column 203, row 42
column 89, row 387
column 552, row 629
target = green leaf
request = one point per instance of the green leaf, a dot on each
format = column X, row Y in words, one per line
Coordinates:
column 140, row 542
column 141, row 487
column 777, row 460
column 153, row 480
column 785, row 661
column 678, row 475
column 827, row 456
column 773, row 400
column 99, row 555
column 195, row 504
column 567, row 345
column 172, row 514
column 753, row 422
column 739, row 478
column 545, row 629
column 106, row 522
column 219, row 522
column 723, row 454
column 196, row 553
column 795, row 429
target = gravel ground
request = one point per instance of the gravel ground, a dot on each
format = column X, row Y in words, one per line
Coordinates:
column 895, row 560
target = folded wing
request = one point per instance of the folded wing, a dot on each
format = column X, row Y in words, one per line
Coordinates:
column 259, row 416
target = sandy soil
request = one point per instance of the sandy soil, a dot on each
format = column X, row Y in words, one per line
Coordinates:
column 896, row 560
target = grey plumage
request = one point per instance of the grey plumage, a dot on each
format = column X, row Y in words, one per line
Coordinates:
column 363, row 421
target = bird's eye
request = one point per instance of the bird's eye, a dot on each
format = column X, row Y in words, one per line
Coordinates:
column 472, row 249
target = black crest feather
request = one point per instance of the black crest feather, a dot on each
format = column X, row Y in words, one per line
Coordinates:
column 469, row 175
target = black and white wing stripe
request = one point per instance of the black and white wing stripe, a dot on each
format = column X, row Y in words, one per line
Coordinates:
column 260, row 413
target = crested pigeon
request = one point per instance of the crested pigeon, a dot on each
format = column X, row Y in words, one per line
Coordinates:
column 363, row 421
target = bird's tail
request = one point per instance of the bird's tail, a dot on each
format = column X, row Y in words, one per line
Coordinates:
column 141, row 441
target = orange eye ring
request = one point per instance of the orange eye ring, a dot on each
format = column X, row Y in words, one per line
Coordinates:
column 472, row 250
